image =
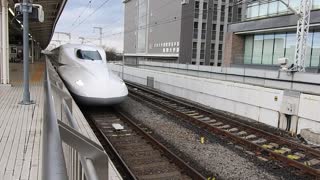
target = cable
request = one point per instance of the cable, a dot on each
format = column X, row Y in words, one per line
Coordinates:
column 227, row 5
column 166, row 4
column 87, row 17
column 84, row 10
column 187, row 16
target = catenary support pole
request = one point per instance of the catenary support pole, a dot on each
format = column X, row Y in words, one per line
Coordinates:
column 123, row 65
column 26, row 92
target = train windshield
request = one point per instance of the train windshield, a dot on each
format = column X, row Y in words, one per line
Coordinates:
column 88, row 55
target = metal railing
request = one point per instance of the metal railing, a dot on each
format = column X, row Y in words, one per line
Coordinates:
column 67, row 154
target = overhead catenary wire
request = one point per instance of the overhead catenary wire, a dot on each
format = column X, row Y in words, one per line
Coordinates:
column 169, row 20
column 156, row 10
column 82, row 12
column 88, row 16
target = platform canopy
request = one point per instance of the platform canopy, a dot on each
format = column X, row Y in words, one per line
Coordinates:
column 43, row 32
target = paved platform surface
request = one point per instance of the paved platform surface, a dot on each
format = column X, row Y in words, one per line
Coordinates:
column 20, row 126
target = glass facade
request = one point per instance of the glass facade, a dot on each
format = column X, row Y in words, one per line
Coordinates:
column 266, row 49
column 273, row 8
column 142, row 23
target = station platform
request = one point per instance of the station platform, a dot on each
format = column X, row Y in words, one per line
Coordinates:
column 21, row 126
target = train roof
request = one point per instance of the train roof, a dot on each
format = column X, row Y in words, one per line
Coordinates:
column 81, row 46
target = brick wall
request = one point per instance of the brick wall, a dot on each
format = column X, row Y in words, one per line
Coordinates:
column 234, row 49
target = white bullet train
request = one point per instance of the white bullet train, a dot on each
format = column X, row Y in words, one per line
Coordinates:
column 85, row 72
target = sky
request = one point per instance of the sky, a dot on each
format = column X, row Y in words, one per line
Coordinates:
column 80, row 16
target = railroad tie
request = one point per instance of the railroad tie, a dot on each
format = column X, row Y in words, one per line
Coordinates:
column 198, row 117
column 312, row 162
column 204, row 119
column 192, row 114
column 296, row 156
column 259, row 141
column 242, row 133
column 251, row 136
column 283, row 150
column 271, row 146
column 233, row 130
column 216, row 124
column 224, row 126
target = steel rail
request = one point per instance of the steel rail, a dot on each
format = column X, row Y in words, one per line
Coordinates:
column 223, row 118
column 177, row 160
column 111, row 150
column 188, row 170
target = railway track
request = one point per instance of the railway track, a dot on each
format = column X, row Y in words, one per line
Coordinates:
column 303, row 159
column 136, row 154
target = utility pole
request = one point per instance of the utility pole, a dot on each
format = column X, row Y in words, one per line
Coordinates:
column 26, row 9
column 82, row 39
column 100, row 33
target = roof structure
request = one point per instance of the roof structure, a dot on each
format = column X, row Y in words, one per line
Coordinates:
column 43, row 32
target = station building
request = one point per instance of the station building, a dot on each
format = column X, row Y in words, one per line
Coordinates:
column 186, row 32
column 267, row 32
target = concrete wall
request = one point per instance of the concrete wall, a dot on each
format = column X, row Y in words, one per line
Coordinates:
column 259, row 103
column 130, row 25
column 163, row 23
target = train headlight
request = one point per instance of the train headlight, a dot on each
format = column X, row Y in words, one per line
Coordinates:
column 79, row 83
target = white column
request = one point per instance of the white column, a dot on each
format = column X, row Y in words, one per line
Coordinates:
column 4, row 42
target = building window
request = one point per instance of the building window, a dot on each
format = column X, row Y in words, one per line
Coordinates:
column 257, row 49
column 279, row 47
column 315, row 57
column 201, row 63
column 248, row 43
column 196, row 9
column 213, row 33
column 204, row 31
column 193, row 62
column 272, row 8
column 202, row 50
column 268, row 48
column 195, row 30
column 220, row 52
column 290, row 46
column 239, row 14
column 221, row 32
column 205, row 10
column 223, row 8
column 215, row 12
column 194, row 50
column 230, row 14
column 212, row 51
column 267, row 56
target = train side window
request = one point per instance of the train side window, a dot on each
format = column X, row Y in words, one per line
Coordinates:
column 79, row 54
column 88, row 55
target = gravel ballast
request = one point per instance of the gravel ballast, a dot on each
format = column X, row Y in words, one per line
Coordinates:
column 216, row 157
